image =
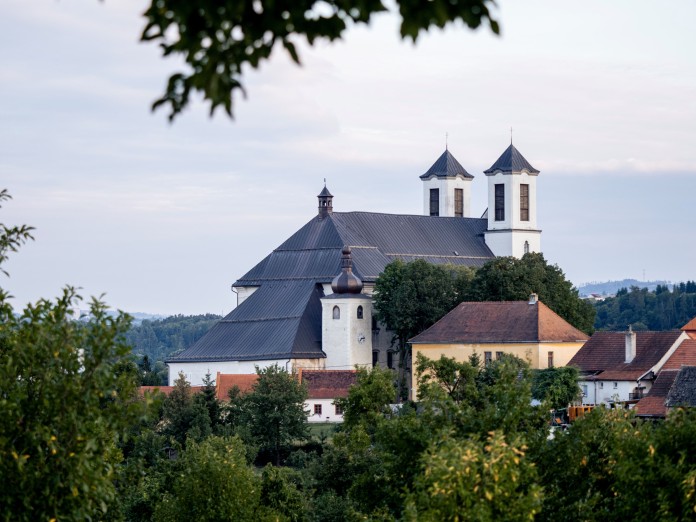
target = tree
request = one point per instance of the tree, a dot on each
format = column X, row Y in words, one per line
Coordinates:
column 67, row 396
column 410, row 297
column 483, row 480
column 215, row 483
column 512, row 279
column 368, row 399
column 183, row 416
column 558, row 386
column 273, row 411
column 219, row 40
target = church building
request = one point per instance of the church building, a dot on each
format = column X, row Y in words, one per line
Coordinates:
column 307, row 304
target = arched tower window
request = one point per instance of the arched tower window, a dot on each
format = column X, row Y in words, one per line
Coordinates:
column 336, row 312
column 526, row 247
column 360, row 312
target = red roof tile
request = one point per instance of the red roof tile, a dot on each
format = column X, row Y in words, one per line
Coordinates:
column 328, row 384
column 606, row 351
column 165, row 389
column 226, row 381
column 685, row 355
column 500, row 322
column 652, row 406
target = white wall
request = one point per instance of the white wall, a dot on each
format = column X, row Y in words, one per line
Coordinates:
column 446, row 187
column 328, row 411
column 511, row 242
column 340, row 337
column 512, row 184
column 196, row 371
column 244, row 292
column 603, row 392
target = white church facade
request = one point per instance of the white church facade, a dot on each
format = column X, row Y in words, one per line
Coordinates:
column 307, row 304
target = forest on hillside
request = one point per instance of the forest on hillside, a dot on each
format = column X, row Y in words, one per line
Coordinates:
column 662, row 309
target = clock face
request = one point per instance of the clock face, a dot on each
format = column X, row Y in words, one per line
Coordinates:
column 361, row 337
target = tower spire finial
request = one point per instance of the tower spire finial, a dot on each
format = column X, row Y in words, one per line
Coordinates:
column 510, row 134
column 446, row 137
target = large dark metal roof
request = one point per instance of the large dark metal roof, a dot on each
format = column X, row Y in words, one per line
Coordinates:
column 314, row 251
column 511, row 161
column 283, row 317
column 446, row 166
column 279, row 320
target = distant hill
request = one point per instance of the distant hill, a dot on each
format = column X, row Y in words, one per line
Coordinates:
column 160, row 338
column 611, row 287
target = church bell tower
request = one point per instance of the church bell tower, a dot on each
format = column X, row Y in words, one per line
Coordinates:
column 512, row 220
column 447, row 188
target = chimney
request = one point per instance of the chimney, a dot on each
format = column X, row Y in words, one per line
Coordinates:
column 630, row 344
column 533, row 299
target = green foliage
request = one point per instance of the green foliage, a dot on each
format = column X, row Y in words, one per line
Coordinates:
column 216, row 484
column 369, row 399
column 645, row 310
column 219, row 40
column 184, row 416
column 64, row 409
column 162, row 338
column 280, row 493
column 512, row 279
column 475, row 480
column 557, row 386
column 272, row 414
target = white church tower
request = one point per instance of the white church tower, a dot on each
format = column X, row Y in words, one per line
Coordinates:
column 512, row 218
column 447, row 188
column 346, row 321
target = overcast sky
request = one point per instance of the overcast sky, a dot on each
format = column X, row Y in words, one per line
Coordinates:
column 163, row 218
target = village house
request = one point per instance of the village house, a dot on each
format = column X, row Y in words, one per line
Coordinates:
column 529, row 330
column 294, row 311
column 622, row 367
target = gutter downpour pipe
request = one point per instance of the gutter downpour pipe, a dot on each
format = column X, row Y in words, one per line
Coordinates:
column 235, row 293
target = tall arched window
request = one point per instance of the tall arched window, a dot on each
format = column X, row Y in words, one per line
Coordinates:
column 360, row 312
column 336, row 312
column 526, row 247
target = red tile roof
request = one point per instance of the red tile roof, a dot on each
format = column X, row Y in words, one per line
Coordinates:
column 500, row 322
column 690, row 328
column 226, row 381
column 606, row 351
column 328, row 384
column 165, row 389
column 653, row 404
column 685, row 355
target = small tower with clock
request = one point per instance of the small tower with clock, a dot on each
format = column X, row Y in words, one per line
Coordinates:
column 347, row 320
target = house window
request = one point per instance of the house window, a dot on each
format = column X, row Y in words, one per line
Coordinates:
column 524, row 202
column 498, row 356
column 339, row 409
column 584, row 390
column 499, row 202
column 601, row 385
column 526, row 247
column 487, row 358
column 390, row 359
column 336, row 312
column 434, row 202
column 550, row 363
column 616, row 385
column 360, row 312
column 375, row 358
column 458, row 202
column 317, row 409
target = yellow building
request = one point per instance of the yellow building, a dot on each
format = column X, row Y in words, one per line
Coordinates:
column 528, row 329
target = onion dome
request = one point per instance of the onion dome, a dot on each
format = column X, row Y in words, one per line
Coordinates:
column 346, row 282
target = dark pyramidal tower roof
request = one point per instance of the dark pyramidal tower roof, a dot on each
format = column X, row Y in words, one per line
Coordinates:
column 511, row 161
column 446, row 166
